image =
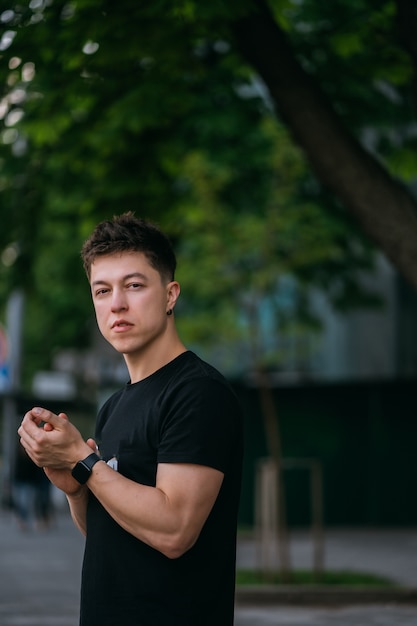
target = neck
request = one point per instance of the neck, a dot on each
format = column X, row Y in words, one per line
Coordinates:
column 142, row 365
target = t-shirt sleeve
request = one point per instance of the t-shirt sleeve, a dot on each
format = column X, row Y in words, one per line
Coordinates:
column 201, row 425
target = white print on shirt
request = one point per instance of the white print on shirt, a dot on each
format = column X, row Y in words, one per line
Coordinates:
column 113, row 463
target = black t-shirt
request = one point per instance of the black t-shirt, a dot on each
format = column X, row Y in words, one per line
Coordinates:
column 183, row 413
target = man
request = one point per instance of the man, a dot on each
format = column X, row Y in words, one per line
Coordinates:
column 156, row 493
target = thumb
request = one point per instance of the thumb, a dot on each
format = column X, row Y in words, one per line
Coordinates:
column 93, row 445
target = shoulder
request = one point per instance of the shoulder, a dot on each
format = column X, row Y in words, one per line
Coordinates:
column 192, row 373
column 189, row 367
column 198, row 391
column 201, row 420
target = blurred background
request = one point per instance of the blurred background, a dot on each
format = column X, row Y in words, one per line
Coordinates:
column 275, row 142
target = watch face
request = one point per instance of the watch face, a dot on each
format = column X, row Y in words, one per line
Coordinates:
column 82, row 471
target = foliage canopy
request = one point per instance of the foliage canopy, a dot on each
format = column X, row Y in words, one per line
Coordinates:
column 151, row 107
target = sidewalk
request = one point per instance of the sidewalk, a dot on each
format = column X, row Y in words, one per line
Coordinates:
column 391, row 553
column 40, row 574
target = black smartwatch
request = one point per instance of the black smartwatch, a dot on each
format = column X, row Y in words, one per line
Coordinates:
column 82, row 470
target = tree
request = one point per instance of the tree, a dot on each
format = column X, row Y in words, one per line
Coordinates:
column 111, row 106
column 340, row 161
column 105, row 108
column 94, row 125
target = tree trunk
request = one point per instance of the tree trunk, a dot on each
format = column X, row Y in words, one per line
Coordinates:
column 382, row 205
column 273, row 437
column 273, row 441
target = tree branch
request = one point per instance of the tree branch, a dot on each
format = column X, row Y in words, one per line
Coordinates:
column 383, row 206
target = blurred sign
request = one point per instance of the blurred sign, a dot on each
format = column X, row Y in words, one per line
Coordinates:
column 54, row 386
column 3, row 346
column 4, row 369
column 4, row 378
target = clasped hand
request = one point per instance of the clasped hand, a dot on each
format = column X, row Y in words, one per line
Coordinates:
column 52, row 442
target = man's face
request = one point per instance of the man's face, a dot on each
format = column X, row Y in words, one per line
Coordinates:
column 130, row 301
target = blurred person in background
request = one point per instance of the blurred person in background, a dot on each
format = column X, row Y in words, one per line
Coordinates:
column 31, row 500
column 24, row 489
column 44, row 510
column 156, row 492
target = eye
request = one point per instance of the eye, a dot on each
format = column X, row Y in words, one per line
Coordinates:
column 134, row 285
column 101, row 292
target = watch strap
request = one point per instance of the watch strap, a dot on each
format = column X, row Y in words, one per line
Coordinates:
column 82, row 470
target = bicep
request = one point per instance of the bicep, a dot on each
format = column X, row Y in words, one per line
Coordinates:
column 191, row 491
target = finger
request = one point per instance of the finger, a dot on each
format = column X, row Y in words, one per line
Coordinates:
column 29, row 425
column 44, row 416
column 48, row 426
column 28, row 420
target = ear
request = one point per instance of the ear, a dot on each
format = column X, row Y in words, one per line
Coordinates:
column 173, row 292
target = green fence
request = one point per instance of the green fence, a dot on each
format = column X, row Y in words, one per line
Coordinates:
column 364, row 435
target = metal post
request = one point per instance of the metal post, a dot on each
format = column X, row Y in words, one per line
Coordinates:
column 14, row 318
column 317, row 518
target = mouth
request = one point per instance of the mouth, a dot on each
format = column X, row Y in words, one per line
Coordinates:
column 121, row 325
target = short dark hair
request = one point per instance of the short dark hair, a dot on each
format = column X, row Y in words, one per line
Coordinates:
column 128, row 233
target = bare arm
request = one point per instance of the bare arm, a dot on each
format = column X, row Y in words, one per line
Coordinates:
column 169, row 517
column 78, row 509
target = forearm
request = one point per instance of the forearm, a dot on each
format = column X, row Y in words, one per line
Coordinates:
column 169, row 516
column 78, row 509
column 141, row 510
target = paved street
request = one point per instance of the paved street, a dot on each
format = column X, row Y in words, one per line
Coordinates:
column 347, row 616
column 387, row 552
column 39, row 577
column 39, row 574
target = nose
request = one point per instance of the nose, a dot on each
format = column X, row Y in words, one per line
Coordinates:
column 119, row 301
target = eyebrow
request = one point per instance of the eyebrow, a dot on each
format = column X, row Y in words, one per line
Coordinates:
column 126, row 277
